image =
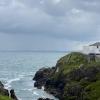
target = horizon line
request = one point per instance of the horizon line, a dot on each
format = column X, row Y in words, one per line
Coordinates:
column 34, row 51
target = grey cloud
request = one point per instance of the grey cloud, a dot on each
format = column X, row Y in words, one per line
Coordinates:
column 64, row 19
column 5, row 2
column 63, row 6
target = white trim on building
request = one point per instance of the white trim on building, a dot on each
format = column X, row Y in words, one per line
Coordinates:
column 95, row 49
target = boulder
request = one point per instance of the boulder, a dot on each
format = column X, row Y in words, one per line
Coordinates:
column 12, row 94
column 42, row 76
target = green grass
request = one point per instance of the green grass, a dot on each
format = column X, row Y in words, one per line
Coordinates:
column 94, row 91
column 76, row 60
column 4, row 98
column 91, row 64
column 71, row 61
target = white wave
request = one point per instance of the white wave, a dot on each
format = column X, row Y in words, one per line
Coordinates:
column 8, row 84
column 43, row 88
column 35, row 93
column 19, row 99
column 27, row 89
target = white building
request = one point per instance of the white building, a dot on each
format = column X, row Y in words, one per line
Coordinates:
column 92, row 49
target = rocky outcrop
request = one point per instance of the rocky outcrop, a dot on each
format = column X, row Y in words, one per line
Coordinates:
column 42, row 76
column 12, row 94
column 5, row 92
column 77, row 78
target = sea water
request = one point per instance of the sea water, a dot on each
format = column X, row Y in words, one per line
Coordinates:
column 17, row 70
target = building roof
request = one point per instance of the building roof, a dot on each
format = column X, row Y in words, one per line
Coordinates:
column 96, row 44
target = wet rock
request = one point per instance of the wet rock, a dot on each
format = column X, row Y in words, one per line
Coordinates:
column 1, row 85
column 43, row 73
column 42, row 76
column 71, row 78
column 3, row 91
column 12, row 94
column 56, row 87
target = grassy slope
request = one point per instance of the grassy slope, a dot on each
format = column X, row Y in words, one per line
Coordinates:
column 4, row 98
column 94, row 91
column 74, row 61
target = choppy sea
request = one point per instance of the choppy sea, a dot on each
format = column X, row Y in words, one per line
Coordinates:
column 18, row 68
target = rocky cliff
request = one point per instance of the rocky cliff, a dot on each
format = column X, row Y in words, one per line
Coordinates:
column 5, row 94
column 75, row 77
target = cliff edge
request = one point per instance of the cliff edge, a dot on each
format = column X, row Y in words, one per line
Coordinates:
column 5, row 94
column 76, row 76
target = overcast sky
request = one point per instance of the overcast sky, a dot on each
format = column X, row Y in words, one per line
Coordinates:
column 48, row 24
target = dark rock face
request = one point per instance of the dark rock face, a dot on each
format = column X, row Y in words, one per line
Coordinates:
column 42, row 79
column 5, row 92
column 74, row 91
column 12, row 94
column 43, row 73
column 42, row 76
column 87, row 73
column 57, row 87
column 75, row 77
column 1, row 85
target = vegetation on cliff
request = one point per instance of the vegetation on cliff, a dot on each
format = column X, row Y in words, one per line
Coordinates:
column 76, row 76
column 4, row 97
column 70, row 62
column 5, row 94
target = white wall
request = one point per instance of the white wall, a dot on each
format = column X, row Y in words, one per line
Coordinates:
column 90, row 49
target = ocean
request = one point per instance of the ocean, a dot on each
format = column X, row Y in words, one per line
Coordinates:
column 18, row 68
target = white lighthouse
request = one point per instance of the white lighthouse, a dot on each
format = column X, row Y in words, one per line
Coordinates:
column 92, row 49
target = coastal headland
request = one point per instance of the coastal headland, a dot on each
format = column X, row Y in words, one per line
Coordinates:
column 76, row 76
